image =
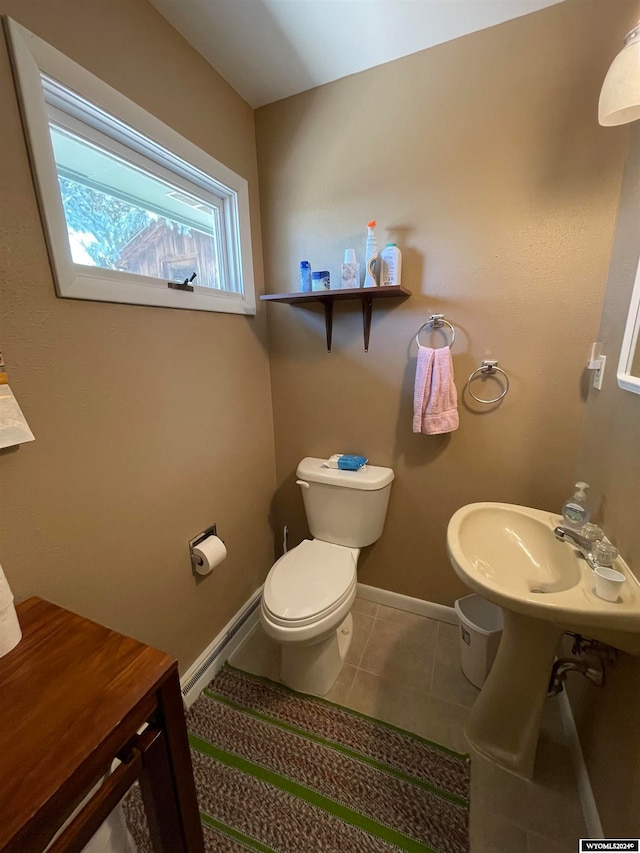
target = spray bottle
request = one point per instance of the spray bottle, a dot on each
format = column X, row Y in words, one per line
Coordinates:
column 371, row 256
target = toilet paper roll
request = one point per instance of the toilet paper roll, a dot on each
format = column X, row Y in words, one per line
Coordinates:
column 212, row 552
column 6, row 596
column 10, row 631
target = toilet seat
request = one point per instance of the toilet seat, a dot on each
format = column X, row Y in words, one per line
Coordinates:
column 309, row 583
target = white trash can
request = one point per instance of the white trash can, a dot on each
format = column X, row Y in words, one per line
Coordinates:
column 481, row 627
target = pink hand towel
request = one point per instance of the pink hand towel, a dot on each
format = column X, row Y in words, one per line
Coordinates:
column 435, row 399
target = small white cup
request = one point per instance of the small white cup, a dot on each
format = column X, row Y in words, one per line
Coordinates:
column 608, row 583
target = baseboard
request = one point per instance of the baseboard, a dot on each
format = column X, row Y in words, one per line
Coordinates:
column 583, row 783
column 405, row 602
column 213, row 658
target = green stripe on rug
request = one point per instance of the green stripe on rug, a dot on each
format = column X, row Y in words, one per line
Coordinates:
column 281, row 772
column 387, row 834
column 408, row 753
column 320, row 700
column 251, row 843
column 345, row 750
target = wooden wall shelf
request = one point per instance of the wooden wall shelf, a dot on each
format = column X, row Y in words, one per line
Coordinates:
column 326, row 298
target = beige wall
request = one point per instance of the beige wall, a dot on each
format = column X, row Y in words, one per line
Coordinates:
column 150, row 423
column 483, row 159
column 610, row 460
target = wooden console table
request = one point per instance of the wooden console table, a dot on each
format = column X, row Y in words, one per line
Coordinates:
column 73, row 694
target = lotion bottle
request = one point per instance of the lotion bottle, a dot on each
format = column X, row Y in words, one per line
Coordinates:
column 576, row 512
column 390, row 265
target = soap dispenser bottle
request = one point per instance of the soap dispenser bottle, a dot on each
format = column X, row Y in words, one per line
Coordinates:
column 576, row 512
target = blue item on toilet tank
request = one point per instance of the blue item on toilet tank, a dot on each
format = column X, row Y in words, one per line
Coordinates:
column 349, row 462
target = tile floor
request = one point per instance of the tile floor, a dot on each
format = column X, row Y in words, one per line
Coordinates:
column 405, row 669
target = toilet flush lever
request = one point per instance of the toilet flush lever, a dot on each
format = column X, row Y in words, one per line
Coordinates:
column 302, row 483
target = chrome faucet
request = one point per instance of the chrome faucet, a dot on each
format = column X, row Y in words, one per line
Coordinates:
column 583, row 545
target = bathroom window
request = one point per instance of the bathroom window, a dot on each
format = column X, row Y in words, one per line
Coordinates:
column 129, row 205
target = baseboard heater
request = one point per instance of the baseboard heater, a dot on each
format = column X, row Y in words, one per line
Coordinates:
column 221, row 642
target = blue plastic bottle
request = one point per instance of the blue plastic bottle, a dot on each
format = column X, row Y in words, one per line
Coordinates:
column 305, row 276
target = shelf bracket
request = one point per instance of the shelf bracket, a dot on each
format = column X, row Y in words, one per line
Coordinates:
column 328, row 321
column 367, row 310
column 327, row 298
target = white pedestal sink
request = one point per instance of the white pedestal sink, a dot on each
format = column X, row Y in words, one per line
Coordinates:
column 509, row 555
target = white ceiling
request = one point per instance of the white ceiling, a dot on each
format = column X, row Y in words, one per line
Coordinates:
column 270, row 49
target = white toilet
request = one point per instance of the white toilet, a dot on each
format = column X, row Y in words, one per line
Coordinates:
column 309, row 592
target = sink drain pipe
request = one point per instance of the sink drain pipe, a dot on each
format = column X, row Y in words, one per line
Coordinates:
column 563, row 666
column 593, row 666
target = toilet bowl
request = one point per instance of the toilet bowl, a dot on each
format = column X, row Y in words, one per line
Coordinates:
column 306, row 606
column 309, row 592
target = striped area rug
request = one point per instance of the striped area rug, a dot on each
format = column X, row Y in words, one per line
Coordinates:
column 281, row 772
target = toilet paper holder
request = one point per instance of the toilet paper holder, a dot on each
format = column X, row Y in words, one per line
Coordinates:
column 195, row 559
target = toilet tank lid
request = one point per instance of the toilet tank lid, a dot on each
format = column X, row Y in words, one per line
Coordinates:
column 369, row 478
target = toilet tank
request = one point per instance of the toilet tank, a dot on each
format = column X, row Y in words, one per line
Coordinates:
column 344, row 507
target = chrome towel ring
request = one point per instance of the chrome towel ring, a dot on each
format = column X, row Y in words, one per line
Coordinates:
column 436, row 321
column 488, row 368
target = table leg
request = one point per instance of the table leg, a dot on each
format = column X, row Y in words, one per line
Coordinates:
column 158, row 796
column 171, row 718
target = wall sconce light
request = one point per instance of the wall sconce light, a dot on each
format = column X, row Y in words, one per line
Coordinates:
column 620, row 95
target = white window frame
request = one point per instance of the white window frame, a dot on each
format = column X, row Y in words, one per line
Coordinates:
column 85, row 98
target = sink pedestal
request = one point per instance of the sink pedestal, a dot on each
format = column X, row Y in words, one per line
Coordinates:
column 510, row 555
column 505, row 719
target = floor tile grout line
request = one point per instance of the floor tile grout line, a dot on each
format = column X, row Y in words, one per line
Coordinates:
column 396, row 680
column 366, row 642
column 528, row 831
column 427, row 691
column 373, row 614
column 412, row 687
column 448, row 624
column 425, row 619
column 531, row 834
column 433, row 667
column 357, row 665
